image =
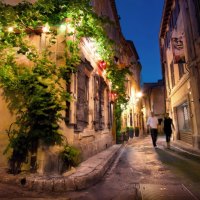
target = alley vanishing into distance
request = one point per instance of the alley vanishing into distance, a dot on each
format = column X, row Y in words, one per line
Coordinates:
column 138, row 172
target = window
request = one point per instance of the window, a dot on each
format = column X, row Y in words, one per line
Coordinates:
column 172, row 74
column 70, row 106
column 99, row 88
column 82, row 103
column 183, row 117
column 92, row 3
column 86, row 88
column 131, row 118
column 176, row 12
column 181, row 69
column 197, row 6
column 174, row 16
column 172, row 23
column 167, row 39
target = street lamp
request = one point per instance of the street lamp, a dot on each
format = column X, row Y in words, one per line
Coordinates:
column 139, row 94
column 46, row 28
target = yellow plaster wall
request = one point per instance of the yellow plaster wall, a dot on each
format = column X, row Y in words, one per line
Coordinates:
column 5, row 121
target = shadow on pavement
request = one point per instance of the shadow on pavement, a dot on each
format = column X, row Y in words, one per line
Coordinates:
column 181, row 164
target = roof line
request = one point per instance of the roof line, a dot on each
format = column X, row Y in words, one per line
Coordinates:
column 165, row 17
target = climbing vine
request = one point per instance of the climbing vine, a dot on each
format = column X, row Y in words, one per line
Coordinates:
column 118, row 78
column 34, row 91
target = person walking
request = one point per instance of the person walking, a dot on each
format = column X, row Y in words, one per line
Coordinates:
column 152, row 124
column 168, row 125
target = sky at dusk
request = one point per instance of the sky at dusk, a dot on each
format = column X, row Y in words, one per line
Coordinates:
column 140, row 22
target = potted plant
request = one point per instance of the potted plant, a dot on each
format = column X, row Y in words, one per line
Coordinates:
column 126, row 134
column 137, row 131
column 131, row 130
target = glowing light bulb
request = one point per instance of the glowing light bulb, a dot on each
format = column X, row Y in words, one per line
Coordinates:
column 139, row 94
column 45, row 28
column 63, row 27
column 70, row 28
column 10, row 29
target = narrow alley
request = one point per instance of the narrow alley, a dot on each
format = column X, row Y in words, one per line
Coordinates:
column 84, row 85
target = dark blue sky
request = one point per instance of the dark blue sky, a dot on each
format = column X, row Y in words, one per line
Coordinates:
column 140, row 22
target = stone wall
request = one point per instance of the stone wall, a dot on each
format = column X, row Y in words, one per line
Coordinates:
column 92, row 142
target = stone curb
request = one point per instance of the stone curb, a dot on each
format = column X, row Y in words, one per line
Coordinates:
column 184, row 148
column 87, row 174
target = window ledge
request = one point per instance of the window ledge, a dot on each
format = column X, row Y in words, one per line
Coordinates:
column 181, row 82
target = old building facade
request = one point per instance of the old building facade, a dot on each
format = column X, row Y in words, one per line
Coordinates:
column 88, row 118
column 180, row 57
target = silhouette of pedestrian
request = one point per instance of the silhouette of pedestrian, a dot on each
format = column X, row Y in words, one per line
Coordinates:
column 152, row 124
column 168, row 125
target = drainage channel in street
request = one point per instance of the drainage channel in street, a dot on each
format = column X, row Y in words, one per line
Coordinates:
column 165, row 192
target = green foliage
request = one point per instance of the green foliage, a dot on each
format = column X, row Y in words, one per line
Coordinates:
column 118, row 79
column 137, row 131
column 34, row 93
column 71, row 156
column 36, row 97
